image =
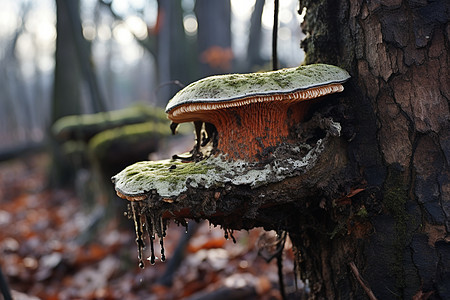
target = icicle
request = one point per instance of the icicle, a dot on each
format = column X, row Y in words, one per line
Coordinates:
column 231, row 234
column 156, row 225
column 128, row 213
column 161, row 230
column 228, row 233
column 225, row 232
column 182, row 222
column 163, row 256
column 164, row 227
column 151, row 236
column 139, row 232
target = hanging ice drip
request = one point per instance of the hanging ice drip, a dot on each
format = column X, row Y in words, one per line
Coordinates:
column 151, row 223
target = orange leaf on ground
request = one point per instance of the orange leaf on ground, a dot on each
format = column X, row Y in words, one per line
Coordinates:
column 208, row 244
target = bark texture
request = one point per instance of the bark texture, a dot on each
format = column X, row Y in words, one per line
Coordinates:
column 396, row 119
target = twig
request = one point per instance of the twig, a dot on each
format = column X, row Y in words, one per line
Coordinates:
column 4, row 288
column 361, row 281
column 278, row 254
column 281, row 276
column 281, row 242
column 275, row 35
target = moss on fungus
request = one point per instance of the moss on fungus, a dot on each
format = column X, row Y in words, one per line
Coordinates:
column 233, row 86
column 170, row 178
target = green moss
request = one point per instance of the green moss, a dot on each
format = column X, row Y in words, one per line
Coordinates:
column 94, row 123
column 362, row 213
column 232, row 86
column 171, row 178
column 129, row 134
column 167, row 177
column 74, row 148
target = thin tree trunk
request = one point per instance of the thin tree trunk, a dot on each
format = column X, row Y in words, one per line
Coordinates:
column 67, row 85
column 66, row 90
column 214, row 36
column 390, row 240
column 255, row 36
column 171, row 53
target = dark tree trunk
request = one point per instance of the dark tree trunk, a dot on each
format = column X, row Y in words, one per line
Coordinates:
column 171, row 50
column 67, row 84
column 66, row 89
column 391, row 238
column 255, row 35
column 214, row 36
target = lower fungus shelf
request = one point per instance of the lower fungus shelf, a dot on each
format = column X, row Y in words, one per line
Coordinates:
column 233, row 194
column 170, row 178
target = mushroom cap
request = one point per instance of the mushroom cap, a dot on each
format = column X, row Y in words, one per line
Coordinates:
column 227, row 88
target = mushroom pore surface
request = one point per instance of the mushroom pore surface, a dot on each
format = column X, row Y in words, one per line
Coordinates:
column 253, row 112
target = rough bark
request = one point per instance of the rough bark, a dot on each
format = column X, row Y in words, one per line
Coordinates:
column 396, row 231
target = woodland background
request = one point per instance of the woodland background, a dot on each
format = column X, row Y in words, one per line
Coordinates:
column 67, row 57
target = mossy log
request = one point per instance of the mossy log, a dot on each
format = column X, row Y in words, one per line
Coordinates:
column 84, row 127
column 118, row 147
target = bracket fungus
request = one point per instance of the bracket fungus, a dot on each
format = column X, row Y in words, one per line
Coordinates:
column 253, row 112
column 236, row 186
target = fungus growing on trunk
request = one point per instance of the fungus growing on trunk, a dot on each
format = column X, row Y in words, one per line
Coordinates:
column 253, row 112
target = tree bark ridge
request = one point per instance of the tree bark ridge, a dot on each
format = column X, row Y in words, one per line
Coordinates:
column 398, row 110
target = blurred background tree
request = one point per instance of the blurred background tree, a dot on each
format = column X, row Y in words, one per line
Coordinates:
column 135, row 50
column 65, row 57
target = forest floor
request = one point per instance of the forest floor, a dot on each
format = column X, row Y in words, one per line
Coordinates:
column 45, row 254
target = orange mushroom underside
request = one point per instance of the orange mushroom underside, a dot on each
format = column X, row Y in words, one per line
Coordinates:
column 248, row 127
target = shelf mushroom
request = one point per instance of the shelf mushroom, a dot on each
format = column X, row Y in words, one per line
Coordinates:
column 245, row 116
column 253, row 112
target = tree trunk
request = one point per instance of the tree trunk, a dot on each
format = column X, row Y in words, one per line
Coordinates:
column 390, row 238
column 214, row 36
column 255, row 36
column 171, row 50
column 66, row 89
column 67, row 84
